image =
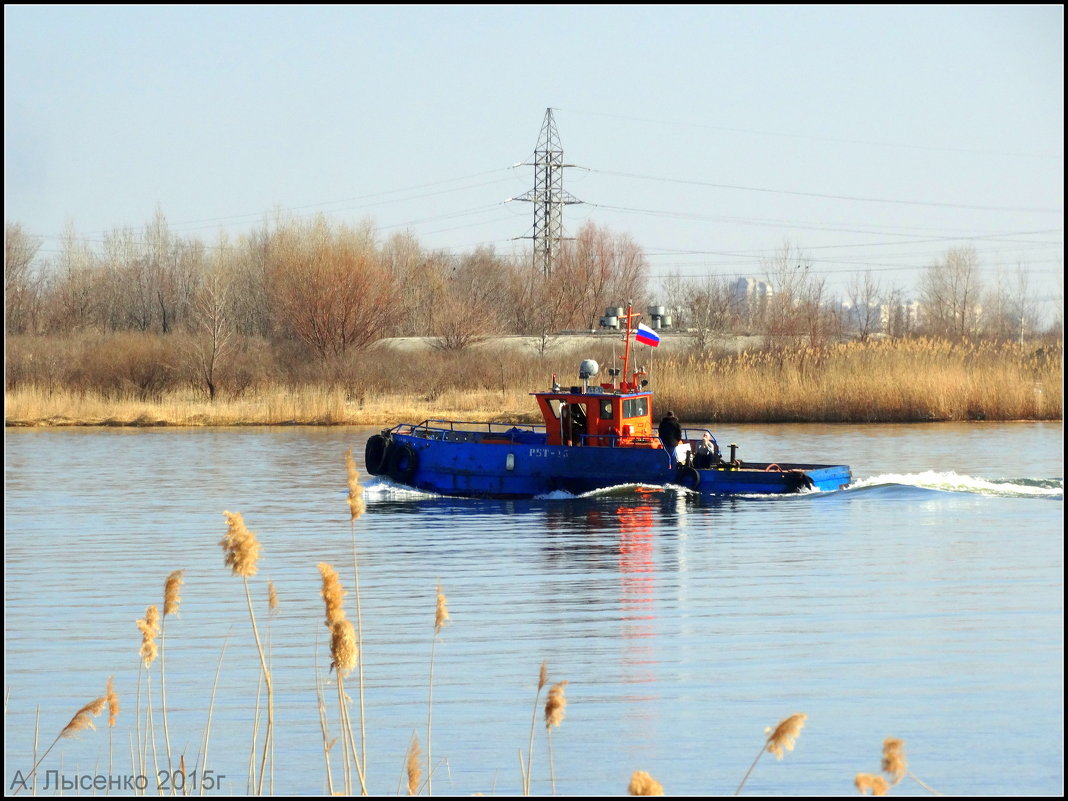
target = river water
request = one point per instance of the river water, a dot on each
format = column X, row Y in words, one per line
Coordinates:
column 925, row 603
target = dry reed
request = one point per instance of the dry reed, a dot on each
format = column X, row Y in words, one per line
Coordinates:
column 357, row 506
column 895, row 764
column 868, row 783
column 272, row 597
column 543, row 679
column 113, row 702
column 171, row 602
column 641, row 783
column 333, row 595
column 412, row 766
column 113, row 716
column 171, row 596
column 82, row 720
column 241, row 551
column 149, row 628
column 778, row 741
column 877, row 381
column 441, row 617
column 343, row 647
column 554, row 716
column 344, row 654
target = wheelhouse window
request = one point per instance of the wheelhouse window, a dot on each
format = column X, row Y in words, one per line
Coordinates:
column 634, row 407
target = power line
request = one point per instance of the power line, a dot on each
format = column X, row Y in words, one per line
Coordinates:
column 854, row 198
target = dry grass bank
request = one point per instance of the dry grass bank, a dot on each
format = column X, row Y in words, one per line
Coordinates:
column 890, row 381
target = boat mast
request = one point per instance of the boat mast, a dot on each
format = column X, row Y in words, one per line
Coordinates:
column 626, row 352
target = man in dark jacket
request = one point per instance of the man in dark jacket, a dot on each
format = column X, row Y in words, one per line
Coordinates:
column 670, row 431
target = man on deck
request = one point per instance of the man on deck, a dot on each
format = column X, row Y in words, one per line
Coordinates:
column 670, row 431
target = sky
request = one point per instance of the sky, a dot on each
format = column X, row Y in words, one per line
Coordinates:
column 870, row 139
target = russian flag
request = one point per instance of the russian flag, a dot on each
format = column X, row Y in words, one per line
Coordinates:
column 647, row 336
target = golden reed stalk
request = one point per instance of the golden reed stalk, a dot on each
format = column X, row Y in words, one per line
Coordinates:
column 357, row 506
column 441, row 617
column 113, row 715
column 543, row 679
column 778, row 742
column 171, row 601
column 641, row 783
column 82, row 720
column 149, row 628
column 241, row 551
column 344, row 654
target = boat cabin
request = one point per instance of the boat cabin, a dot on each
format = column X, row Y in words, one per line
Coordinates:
column 599, row 416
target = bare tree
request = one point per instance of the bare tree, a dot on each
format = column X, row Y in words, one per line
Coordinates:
column 211, row 327
column 708, row 307
column 866, row 308
column 949, row 295
column 328, row 288
column 20, row 284
column 471, row 298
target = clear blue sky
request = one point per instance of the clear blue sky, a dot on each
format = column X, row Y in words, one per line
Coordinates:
column 868, row 137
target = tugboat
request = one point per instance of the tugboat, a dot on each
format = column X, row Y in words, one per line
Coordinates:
column 593, row 436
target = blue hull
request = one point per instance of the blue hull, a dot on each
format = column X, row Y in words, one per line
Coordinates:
column 520, row 464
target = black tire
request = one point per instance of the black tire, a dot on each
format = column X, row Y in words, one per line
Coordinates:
column 374, row 455
column 688, row 477
column 401, row 462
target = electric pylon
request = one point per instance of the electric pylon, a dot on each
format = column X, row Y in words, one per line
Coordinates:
column 548, row 195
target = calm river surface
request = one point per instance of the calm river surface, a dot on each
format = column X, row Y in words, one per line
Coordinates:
column 926, row 603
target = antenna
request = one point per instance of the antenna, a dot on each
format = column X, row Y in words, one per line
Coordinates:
column 548, row 195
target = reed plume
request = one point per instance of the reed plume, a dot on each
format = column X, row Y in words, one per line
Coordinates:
column 113, row 715
column 641, row 783
column 554, row 706
column 113, row 702
column 894, row 761
column 344, row 652
column 241, row 551
column 867, row 783
column 896, row 765
column 171, row 597
column 149, row 628
column 343, row 647
column 357, row 505
column 272, row 598
column 171, row 601
column 413, row 766
column 786, row 734
column 554, row 716
column 333, row 595
column 441, row 617
column 543, row 679
column 82, row 720
column 778, row 741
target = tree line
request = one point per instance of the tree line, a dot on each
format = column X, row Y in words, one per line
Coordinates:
column 308, row 294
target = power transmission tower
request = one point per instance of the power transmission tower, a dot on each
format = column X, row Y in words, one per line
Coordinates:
column 548, row 195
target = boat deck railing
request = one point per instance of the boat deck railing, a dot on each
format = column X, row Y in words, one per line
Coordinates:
column 467, row 431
